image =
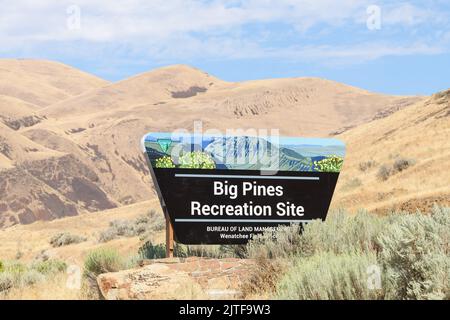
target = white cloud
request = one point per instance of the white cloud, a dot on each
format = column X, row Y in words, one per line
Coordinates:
column 171, row 29
column 112, row 20
column 103, row 20
column 408, row 15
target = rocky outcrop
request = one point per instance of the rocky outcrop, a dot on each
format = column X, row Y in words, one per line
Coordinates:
column 178, row 278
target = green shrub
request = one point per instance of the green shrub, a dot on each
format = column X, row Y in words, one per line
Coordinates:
column 102, row 260
column 142, row 226
column 233, row 251
column 1, row 266
column 131, row 261
column 329, row 164
column 285, row 242
column 340, row 233
column 212, row 251
column 272, row 252
column 18, row 275
column 384, row 172
column 196, row 160
column 329, row 276
column 146, row 224
column 107, row 235
column 117, row 228
column 49, row 267
column 402, row 164
column 158, row 251
column 14, row 267
column 367, row 165
column 442, row 217
column 150, row 251
column 209, row 251
column 328, row 260
column 415, row 255
column 31, row 277
column 66, row 238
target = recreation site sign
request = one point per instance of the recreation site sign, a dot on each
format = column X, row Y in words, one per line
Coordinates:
column 218, row 189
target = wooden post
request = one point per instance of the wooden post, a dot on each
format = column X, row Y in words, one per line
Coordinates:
column 169, row 238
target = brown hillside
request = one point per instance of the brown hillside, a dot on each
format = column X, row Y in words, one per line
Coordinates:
column 95, row 135
column 419, row 134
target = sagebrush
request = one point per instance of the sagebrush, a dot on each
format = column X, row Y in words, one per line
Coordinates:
column 329, row 260
column 17, row 275
column 65, row 239
column 328, row 276
column 142, row 226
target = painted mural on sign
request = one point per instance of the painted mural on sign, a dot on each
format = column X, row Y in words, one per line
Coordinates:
column 168, row 150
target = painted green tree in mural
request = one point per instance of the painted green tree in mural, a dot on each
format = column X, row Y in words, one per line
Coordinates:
column 197, row 160
column 164, row 162
column 329, row 164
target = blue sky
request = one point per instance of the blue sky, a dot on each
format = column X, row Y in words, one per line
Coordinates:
column 395, row 47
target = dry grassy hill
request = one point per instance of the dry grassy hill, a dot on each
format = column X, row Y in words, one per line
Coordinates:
column 15, row 148
column 413, row 146
column 29, row 85
column 41, row 83
column 79, row 149
column 33, row 178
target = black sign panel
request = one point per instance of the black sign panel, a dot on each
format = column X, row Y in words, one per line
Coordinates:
column 211, row 207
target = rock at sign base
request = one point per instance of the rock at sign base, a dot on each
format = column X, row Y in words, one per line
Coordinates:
column 174, row 278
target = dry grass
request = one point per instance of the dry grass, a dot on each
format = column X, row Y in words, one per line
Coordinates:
column 191, row 290
column 53, row 289
column 326, row 261
column 32, row 239
column 420, row 132
column 12, row 240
